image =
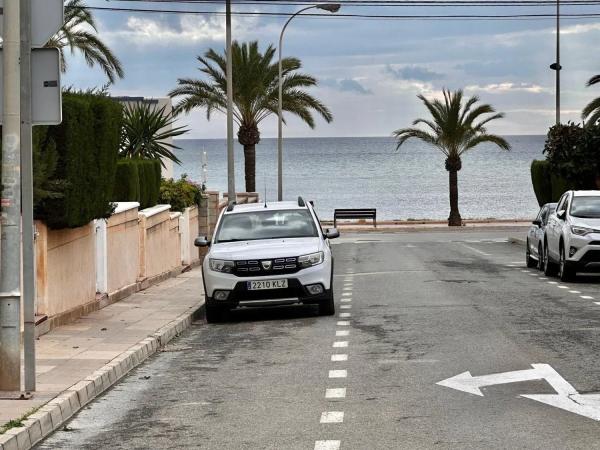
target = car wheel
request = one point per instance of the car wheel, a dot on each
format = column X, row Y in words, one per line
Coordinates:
column 327, row 306
column 214, row 314
column 540, row 264
column 564, row 272
column 549, row 267
column 528, row 259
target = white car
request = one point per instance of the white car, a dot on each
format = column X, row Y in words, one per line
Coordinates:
column 572, row 238
column 265, row 254
column 534, row 250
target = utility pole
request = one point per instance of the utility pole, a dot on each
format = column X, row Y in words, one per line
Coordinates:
column 27, row 200
column 230, row 156
column 10, row 264
column 558, row 68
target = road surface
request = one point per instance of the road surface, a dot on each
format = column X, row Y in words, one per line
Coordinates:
column 413, row 309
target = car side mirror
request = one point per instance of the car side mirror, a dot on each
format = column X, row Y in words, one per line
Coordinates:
column 561, row 214
column 537, row 222
column 332, row 233
column 201, row 242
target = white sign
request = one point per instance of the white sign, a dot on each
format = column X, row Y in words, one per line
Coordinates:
column 46, row 99
column 47, row 17
column 566, row 397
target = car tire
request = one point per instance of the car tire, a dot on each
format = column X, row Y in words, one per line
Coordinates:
column 549, row 266
column 327, row 306
column 540, row 262
column 214, row 314
column 528, row 258
column 565, row 273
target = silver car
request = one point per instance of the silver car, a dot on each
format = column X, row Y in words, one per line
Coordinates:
column 534, row 255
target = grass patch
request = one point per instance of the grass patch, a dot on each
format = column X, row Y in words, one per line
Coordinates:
column 17, row 423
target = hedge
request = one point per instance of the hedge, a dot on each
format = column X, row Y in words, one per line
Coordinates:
column 87, row 145
column 180, row 194
column 137, row 180
column 548, row 186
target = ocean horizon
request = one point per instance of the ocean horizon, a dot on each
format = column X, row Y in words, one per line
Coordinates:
column 368, row 172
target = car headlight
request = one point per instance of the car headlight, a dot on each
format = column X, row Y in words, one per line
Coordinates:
column 311, row 260
column 581, row 231
column 220, row 265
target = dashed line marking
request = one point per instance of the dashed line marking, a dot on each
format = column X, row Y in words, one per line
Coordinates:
column 342, row 373
column 525, row 271
column 563, row 287
column 335, row 393
column 343, row 323
column 476, row 250
column 587, row 297
column 347, row 294
column 347, row 299
column 346, row 288
column 552, row 282
column 575, row 292
column 339, row 357
column 345, row 315
column 327, row 445
column 543, row 278
column 345, row 306
column 596, row 303
column 340, row 344
column 332, row 417
column 342, row 333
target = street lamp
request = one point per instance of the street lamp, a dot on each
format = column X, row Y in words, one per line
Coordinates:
column 332, row 8
column 556, row 66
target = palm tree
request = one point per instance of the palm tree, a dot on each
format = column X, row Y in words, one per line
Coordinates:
column 591, row 113
column 454, row 131
column 255, row 92
column 75, row 36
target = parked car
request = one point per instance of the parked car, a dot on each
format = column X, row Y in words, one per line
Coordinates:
column 572, row 238
column 535, row 237
column 268, row 254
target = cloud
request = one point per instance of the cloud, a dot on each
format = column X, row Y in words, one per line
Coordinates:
column 500, row 88
column 347, row 85
column 418, row 73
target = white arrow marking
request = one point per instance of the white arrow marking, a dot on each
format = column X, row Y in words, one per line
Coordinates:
column 566, row 398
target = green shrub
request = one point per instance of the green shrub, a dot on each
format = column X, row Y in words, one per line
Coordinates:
column 559, row 186
column 137, row 180
column 180, row 194
column 541, row 179
column 127, row 182
column 86, row 144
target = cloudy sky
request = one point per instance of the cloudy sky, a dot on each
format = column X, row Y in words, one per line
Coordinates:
column 370, row 71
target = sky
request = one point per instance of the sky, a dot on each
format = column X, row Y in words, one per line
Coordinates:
column 370, row 71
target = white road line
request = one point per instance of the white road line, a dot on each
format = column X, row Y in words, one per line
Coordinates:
column 575, row 292
column 338, row 373
column 543, row 278
column 516, row 262
column 596, row 303
column 343, row 323
column 347, row 294
column 345, row 306
column 332, row 417
column 342, row 333
column 532, row 275
column 335, row 393
column 340, row 344
column 345, row 315
column 510, row 265
column 477, row 251
column 346, row 288
column 327, row 445
column 525, row 271
column 587, row 297
column 552, row 282
column 563, row 287
column 346, row 300
column 336, row 357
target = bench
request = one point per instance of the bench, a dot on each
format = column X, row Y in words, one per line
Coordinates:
column 365, row 213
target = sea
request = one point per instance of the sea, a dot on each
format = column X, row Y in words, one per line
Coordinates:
column 368, row 172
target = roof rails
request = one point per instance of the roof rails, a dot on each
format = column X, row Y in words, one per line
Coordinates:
column 230, row 206
column 301, row 202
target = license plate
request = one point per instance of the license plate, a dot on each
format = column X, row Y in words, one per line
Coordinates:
column 267, row 284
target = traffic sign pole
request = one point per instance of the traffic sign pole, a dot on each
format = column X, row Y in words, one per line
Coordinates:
column 10, row 264
column 27, row 201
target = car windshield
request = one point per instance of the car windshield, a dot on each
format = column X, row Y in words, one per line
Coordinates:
column 586, row 207
column 269, row 224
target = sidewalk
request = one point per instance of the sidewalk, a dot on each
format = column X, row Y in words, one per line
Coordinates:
column 426, row 225
column 77, row 362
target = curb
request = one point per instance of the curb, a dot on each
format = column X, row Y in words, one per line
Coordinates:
column 51, row 416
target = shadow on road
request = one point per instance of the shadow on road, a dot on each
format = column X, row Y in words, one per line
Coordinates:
column 287, row 312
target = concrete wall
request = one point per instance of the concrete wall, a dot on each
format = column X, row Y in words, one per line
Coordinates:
column 66, row 269
column 123, row 247
column 189, row 226
column 159, row 241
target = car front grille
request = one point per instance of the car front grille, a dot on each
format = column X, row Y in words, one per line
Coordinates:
column 266, row 267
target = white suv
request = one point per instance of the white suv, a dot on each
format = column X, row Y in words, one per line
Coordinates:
column 268, row 254
column 572, row 239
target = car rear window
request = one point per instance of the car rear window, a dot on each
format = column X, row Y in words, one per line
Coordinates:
column 269, row 224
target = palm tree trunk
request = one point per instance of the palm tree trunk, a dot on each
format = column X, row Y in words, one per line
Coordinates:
column 454, row 220
column 250, row 167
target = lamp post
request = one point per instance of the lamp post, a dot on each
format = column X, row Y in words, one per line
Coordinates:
column 332, row 8
column 231, row 196
column 556, row 66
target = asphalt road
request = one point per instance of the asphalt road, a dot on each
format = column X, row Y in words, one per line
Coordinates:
column 421, row 308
